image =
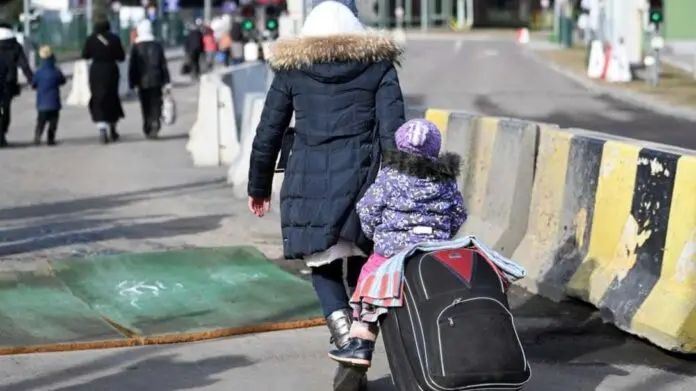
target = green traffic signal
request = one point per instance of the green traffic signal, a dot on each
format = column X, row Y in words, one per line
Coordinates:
column 656, row 16
column 248, row 25
column 272, row 24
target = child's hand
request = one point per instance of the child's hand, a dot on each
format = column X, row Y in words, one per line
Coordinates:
column 259, row 206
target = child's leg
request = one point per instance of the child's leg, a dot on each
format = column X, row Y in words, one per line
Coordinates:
column 53, row 126
column 364, row 330
column 41, row 119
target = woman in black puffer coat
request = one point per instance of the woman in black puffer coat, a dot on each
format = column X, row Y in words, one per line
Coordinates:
column 342, row 85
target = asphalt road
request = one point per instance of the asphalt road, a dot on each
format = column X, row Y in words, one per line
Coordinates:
column 568, row 351
column 501, row 78
column 141, row 195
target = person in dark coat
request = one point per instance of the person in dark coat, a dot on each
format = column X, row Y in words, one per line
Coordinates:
column 237, row 36
column 105, row 50
column 149, row 73
column 47, row 82
column 342, row 85
column 193, row 46
column 13, row 56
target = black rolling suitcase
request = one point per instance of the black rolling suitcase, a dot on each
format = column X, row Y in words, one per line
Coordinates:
column 455, row 330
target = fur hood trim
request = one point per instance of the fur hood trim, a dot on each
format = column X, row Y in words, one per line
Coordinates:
column 303, row 52
column 446, row 167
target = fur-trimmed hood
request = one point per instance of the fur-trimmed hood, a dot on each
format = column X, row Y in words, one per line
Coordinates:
column 332, row 34
column 446, row 167
column 303, row 52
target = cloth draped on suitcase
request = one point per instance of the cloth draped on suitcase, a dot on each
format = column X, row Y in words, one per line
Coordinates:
column 383, row 289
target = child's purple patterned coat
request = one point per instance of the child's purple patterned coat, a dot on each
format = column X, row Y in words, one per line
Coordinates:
column 413, row 200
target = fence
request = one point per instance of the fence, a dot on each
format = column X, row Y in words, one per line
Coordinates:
column 66, row 38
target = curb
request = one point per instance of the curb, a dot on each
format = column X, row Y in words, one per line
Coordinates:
column 639, row 99
column 133, row 339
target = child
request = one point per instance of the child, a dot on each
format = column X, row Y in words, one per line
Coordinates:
column 47, row 81
column 414, row 199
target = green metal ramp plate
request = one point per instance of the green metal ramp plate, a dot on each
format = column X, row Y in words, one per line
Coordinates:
column 36, row 309
column 152, row 298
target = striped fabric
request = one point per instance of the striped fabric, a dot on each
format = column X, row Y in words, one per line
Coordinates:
column 383, row 288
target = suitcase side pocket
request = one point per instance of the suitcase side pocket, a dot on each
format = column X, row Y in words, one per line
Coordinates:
column 478, row 345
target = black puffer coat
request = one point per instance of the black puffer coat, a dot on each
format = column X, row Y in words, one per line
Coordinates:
column 348, row 104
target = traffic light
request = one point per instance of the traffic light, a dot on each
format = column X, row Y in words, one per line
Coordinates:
column 248, row 14
column 272, row 13
column 248, row 24
column 655, row 12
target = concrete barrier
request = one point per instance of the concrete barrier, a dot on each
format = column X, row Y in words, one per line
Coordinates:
column 613, row 223
column 667, row 315
column 247, row 78
column 556, row 233
column 439, row 118
column 238, row 174
column 497, row 192
column 79, row 90
column 204, row 137
column 215, row 138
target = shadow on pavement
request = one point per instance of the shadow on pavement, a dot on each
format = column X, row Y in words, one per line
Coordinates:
column 164, row 373
column 102, row 363
column 84, row 206
column 125, row 139
column 35, row 238
column 632, row 121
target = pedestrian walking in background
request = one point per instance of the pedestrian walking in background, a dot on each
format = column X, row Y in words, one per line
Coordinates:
column 209, row 47
column 47, row 82
column 12, row 56
column 237, row 38
column 105, row 51
column 225, row 47
column 193, row 46
column 148, row 72
column 341, row 82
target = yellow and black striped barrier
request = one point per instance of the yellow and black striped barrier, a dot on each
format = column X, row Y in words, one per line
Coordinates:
column 611, row 221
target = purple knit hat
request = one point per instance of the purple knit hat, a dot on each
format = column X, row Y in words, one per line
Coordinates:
column 419, row 137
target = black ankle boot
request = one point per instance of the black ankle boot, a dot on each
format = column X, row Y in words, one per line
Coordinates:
column 51, row 139
column 113, row 133
column 358, row 352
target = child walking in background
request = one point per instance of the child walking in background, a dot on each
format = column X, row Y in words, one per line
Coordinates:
column 47, row 81
column 414, row 199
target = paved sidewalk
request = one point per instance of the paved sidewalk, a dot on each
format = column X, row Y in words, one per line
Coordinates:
column 83, row 198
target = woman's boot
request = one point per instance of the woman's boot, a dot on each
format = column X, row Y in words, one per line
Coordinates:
column 113, row 133
column 347, row 378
